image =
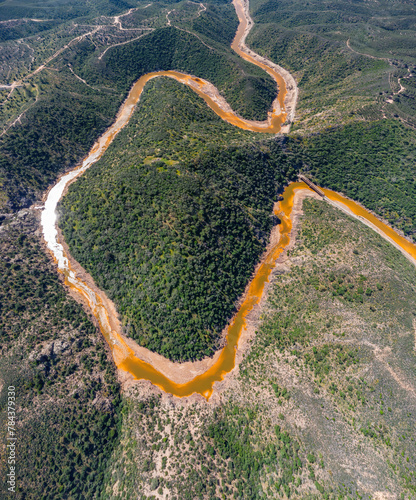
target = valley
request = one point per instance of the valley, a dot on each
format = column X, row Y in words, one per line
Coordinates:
column 216, row 328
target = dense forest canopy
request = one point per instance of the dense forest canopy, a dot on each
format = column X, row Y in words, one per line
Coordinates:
column 171, row 223
column 77, row 96
column 173, row 239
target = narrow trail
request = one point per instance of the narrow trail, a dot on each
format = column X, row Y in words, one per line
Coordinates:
column 18, row 119
column 149, row 30
column 117, row 21
column 202, row 9
column 168, row 21
column 196, row 36
column 79, row 78
column 365, row 55
column 41, row 67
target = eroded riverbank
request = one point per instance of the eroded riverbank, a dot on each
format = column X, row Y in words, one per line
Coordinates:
column 183, row 379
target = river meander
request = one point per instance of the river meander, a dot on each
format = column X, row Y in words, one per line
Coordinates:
column 123, row 353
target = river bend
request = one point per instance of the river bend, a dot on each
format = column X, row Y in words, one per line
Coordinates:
column 185, row 379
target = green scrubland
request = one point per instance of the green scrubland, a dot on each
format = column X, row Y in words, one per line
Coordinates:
column 171, row 236
column 67, row 396
column 322, row 406
column 171, row 223
column 62, row 116
column 347, row 57
column 61, row 9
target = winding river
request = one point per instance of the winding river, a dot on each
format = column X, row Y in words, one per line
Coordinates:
column 125, row 350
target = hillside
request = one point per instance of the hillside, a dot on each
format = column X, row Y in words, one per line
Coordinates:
column 51, row 115
column 173, row 228
column 172, row 222
column 67, row 394
column 353, row 61
column 323, row 405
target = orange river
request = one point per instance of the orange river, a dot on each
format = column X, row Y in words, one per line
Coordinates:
column 124, row 356
column 203, row 384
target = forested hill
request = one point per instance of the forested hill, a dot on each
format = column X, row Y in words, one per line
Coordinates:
column 61, row 110
column 60, row 10
column 373, row 163
column 171, row 223
column 352, row 60
column 173, row 231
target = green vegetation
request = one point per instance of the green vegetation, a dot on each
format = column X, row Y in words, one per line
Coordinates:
column 52, row 137
column 335, row 353
column 335, row 84
column 371, row 163
column 348, row 57
column 60, row 111
column 278, row 456
column 170, row 238
column 384, row 29
column 197, row 451
column 68, row 398
column 61, row 9
column 23, row 28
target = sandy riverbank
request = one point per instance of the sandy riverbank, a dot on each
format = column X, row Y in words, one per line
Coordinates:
column 292, row 92
column 347, row 210
column 181, row 373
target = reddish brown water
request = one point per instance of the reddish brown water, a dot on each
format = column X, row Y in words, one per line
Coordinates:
column 211, row 96
column 203, row 384
column 123, row 354
column 277, row 117
column 408, row 247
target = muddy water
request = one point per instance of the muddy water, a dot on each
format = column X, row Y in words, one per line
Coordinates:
column 203, row 384
column 102, row 309
column 97, row 301
column 407, row 248
column 217, row 103
column 277, row 117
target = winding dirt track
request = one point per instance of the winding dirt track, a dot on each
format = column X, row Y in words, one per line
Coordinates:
column 135, row 362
